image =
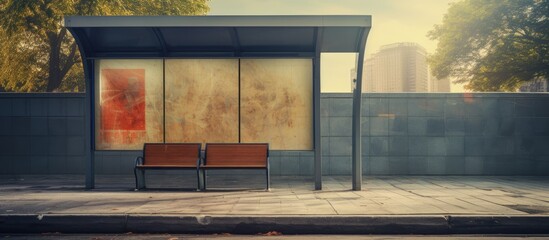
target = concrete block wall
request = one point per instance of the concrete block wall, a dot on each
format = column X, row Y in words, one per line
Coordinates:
column 336, row 126
column 402, row 134
column 440, row 134
column 42, row 133
column 291, row 163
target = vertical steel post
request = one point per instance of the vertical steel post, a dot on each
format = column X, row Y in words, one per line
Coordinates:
column 89, row 73
column 89, row 66
column 316, row 110
column 357, row 100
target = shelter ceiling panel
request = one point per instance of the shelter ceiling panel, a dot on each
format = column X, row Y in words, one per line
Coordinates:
column 198, row 38
column 273, row 39
column 202, row 100
column 123, row 39
column 334, row 42
column 276, row 102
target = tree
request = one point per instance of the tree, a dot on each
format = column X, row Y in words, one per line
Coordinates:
column 493, row 45
column 37, row 54
column 10, row 58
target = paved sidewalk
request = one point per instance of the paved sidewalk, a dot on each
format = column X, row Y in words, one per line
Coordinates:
column 408, row 198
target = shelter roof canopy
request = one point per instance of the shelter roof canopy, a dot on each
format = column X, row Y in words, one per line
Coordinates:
column 216, row 36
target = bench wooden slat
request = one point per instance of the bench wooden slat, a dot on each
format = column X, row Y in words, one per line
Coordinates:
column 232, row 166
column 177, row 154
column 166, row 166
column 234, row 155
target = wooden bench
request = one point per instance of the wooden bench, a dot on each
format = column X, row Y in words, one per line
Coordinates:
column 165, row 156
column 236, row 156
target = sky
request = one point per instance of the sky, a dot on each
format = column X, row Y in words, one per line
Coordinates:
column 392, row 21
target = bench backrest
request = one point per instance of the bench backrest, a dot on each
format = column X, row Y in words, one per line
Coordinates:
column 171, row 153
column 236, row 154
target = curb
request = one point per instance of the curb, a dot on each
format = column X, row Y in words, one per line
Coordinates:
column 285, row 224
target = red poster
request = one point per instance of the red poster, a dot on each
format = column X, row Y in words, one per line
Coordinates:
column 122, row 102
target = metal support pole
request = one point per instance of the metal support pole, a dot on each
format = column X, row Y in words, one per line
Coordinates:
column 88, row 109
column 357, row 100
column 316, row 111
column 89, row 75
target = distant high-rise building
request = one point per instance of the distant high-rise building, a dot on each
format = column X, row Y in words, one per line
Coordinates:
column 439, row 85
column 398, row 67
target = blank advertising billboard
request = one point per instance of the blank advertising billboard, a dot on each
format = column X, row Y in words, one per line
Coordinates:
column 202, row 100
column 277, row 102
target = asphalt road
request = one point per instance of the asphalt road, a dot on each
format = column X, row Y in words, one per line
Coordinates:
column 270, row 236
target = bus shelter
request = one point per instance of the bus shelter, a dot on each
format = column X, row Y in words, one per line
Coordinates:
column 212, row 79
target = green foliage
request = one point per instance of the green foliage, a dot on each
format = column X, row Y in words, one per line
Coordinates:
column 11, row 57
column 493, row 45
column 38, row 55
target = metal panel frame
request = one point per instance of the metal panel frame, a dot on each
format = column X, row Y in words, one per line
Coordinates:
column 77, row 24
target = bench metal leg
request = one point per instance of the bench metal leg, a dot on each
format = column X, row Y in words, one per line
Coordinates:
column 136, row 180
column 199, row 179
column 139, row 178
column 204, row 178
column 267, row 172
column 144, row 179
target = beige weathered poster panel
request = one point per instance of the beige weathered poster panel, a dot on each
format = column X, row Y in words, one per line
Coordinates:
column 201, row 100
column 129, row 104
column 276, row 102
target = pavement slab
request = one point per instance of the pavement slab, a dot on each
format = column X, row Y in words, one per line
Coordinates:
column 455, row 203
